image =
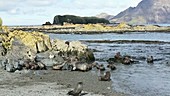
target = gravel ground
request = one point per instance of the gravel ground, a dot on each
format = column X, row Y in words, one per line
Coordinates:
column 52, row 83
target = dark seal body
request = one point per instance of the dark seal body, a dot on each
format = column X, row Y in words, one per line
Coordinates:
column 77, row 90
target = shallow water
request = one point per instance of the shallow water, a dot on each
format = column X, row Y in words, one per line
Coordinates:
column 152, row 36
column 140, row 79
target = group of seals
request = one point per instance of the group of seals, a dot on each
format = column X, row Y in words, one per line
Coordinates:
column 127, row 60
column 33, row 65
column 73, row 64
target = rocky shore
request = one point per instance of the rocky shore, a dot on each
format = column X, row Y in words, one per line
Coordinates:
column 33, row 64
column 92, row 28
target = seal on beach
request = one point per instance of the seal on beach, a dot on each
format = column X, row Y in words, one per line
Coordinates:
column 83, row 67
column 41, row 66
column 100, row 67
column 58, row 66
column 118, row 57
column 77, row 90
column 149, row 59
column 111, row 66
column 106, row 77
column 126, row 60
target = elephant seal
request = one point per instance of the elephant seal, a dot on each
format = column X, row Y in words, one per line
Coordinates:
column 106, row 77
column 77, row 90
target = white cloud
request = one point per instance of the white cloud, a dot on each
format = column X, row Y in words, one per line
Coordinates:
column 8, row 5
column 40, row 3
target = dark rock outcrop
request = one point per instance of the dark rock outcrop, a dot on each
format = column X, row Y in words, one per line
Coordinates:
column 60, row 20
column 147, row 11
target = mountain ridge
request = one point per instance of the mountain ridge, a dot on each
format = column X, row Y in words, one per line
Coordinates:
column 147, row 11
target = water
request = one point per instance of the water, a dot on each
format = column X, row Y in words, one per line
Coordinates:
column 140, row 79
column 114, row 36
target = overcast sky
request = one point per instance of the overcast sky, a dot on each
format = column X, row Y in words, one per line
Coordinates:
column 36, row 12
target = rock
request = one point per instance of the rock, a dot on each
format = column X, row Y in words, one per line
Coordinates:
column 41, row 47
column 17, row 66
column 10, row 68
column 3, row 64
column 74, row 48
column 0, row 21
column 3, row 51
column 38, row 42
column 44, row 57
column 47, row 23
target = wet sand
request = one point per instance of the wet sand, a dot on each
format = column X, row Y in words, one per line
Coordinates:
column 52, row 83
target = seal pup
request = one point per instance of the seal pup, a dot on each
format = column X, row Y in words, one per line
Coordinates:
column 106, row 77
column 77, row 90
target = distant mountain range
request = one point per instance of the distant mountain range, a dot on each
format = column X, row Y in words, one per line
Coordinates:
column 146, row 12
column 105, row 16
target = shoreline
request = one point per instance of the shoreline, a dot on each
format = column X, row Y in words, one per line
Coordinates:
column 92, row 28
column 126, row 41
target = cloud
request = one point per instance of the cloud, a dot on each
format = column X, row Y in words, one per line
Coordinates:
column 8, row 5
column 41, row 3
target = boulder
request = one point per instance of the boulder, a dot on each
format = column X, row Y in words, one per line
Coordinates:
column 38, row 42
column 2, row 50
column 74, row 48
column 45, row 58
column 41, row 47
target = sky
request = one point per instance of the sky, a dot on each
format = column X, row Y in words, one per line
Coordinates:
column 37, row 12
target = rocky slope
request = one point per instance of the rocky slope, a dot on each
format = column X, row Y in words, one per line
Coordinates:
column 147, row 11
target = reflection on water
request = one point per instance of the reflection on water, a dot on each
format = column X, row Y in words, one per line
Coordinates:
column 140, row 79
